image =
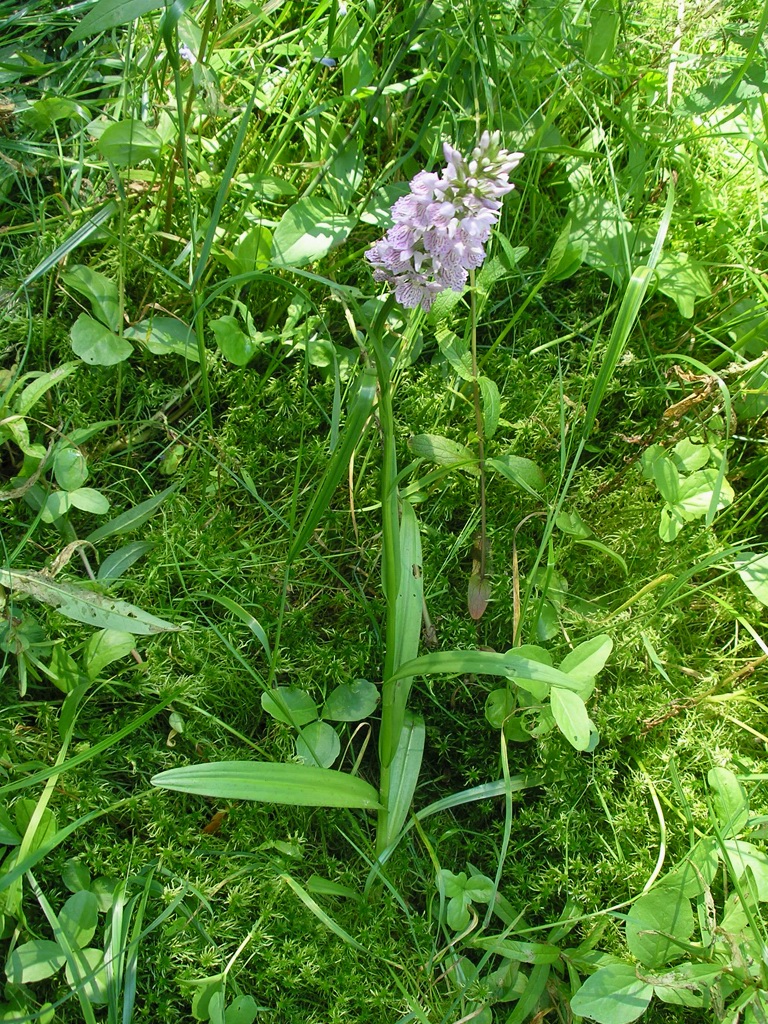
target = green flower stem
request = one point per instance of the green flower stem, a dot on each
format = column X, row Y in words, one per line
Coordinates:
column 391, row 696
column 478, row 421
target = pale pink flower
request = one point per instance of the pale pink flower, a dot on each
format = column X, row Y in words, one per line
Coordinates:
column 440, row 228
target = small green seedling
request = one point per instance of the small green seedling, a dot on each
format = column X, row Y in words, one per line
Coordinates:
column 691, row 480
column 462, row 892
column 520, row 708
column 318, row 743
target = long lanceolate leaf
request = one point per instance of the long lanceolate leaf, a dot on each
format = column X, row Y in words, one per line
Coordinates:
column 402, row 777
column 297, row 784
column 408, row 611
column 339, row 461
column 107, row 14
column 85, row 605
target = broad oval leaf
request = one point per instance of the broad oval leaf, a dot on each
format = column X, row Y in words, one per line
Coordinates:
column 318, row 744
column 571, row 717
column 730, row 800
column 740, row 857
column 78, row 918
column 351, row 702
column 289, row 705
column 654, row 922
column 34, row 961
column 667, row 479
column 100, row 291
column 308, row 230
column 242, row 1010
column 297, row 784
column 753, row 569
column 584, row 662
column 86, row 972
column 613, row 995
column 90, row 500
column 96, row 344
column 444, row 452
column 76, row 876
column 127, row 143
column 105, row 647
column 491, row 404
column 70, row 468
column 164, row 335
column 522, row 472
column 232, row 341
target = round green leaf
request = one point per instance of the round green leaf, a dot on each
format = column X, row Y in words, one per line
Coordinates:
column 499, row 705
column 242, row 1010
column 89, row 500
column 47, row 826
column 308, row 230
column 318, row 744
column 79, row 916
column 104, row 890
column 76, row 876
column 89, row 975
column 457, row 914
column 127, row 143
column 289, row 705
column 56, row 505
column 234, row 344
column 612, row 995
column 70, row 469
column 104, row 647
column 665, row 910
column 34, row 961
column 96, row 344
column 351, row 702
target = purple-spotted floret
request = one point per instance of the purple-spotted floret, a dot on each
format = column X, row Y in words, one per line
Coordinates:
column 440, row 228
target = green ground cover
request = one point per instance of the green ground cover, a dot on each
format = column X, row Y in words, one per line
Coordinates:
column 241, row 489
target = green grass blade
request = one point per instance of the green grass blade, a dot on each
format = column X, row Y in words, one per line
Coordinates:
column 339, row 461
column 81, row 758
column 71, row 243
column 486, row 791
column 321, row 915
column 627, row 316
column 133, row 518
column 296, row 784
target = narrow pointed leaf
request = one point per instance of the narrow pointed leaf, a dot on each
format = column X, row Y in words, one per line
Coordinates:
column 404, row 774
column 84, row 605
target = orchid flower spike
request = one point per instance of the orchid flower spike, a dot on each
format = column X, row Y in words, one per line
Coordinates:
column 440, row 228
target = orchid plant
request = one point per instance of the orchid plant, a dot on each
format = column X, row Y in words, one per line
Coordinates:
column 436, row 242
